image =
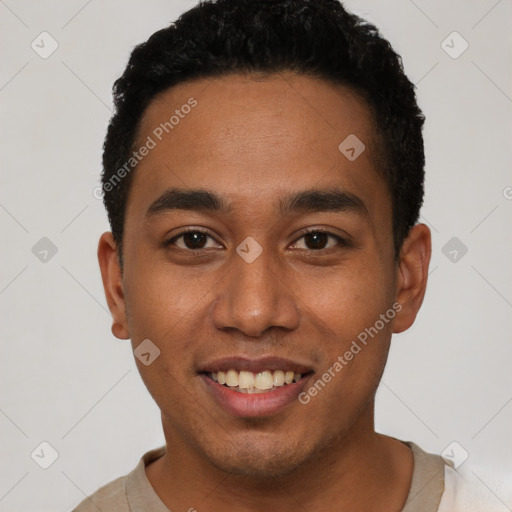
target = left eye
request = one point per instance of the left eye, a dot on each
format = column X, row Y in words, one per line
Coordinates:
column 192, row 240
column 318, row 240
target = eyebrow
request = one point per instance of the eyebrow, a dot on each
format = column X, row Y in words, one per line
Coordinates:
column 187, row 199
column 306, row 201
column 328, row 200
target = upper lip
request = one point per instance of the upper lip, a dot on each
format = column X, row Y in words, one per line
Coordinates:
column 256, row 365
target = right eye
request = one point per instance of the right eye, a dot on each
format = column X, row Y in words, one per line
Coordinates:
column 192, row 240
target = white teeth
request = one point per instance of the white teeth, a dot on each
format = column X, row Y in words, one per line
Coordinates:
column 278, row 378
column 232, row 378
column 246, row 380
column 249, row 382
column 263, row 380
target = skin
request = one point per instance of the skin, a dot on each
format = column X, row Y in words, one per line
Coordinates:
column 253, row 140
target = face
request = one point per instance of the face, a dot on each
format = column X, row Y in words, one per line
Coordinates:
column 255, row 250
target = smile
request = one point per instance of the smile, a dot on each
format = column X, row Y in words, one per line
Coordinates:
column 254, row 387
column 250, row 382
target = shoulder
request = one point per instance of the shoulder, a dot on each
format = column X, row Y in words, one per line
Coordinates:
column 427, row 482
column 111, row 496
column 475, row 489
column 126, row 492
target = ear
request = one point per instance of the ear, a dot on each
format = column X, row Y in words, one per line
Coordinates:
column 412, row 275
column 112, row 278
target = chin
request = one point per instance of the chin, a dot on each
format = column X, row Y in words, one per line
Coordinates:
column 257, row 460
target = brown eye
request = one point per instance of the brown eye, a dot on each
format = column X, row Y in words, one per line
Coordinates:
column 318, row 240
column 192, row 240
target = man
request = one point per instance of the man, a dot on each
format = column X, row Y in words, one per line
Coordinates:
column 263, row 176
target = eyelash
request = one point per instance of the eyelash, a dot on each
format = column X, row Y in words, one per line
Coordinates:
column 341, row 242
column 180, row 235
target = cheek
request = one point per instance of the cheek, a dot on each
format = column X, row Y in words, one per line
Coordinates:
column 160, row 299
column 349, row 299
column 167, row 309
column 353, row 362
column 347, row 308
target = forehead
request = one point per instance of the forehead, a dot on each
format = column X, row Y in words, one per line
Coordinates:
column 258, row 135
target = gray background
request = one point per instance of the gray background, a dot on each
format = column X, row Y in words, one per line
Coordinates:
column 66, row 380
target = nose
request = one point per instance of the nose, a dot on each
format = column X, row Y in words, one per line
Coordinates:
column 253, row 297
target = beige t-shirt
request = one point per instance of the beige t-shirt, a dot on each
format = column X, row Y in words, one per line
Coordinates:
column 133, row 492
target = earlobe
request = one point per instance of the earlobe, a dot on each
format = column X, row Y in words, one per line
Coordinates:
column 412, row 275
column 112, row 278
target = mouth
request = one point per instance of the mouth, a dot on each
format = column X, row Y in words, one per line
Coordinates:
column 243, row 381
column 254, row 388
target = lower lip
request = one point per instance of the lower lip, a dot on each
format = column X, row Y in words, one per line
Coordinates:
column 255, row 405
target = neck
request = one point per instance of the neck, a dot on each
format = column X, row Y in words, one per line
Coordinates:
column 361, row 470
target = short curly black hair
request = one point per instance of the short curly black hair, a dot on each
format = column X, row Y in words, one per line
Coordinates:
column 313, row 37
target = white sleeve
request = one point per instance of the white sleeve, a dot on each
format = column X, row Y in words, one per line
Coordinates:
column 472, row 490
